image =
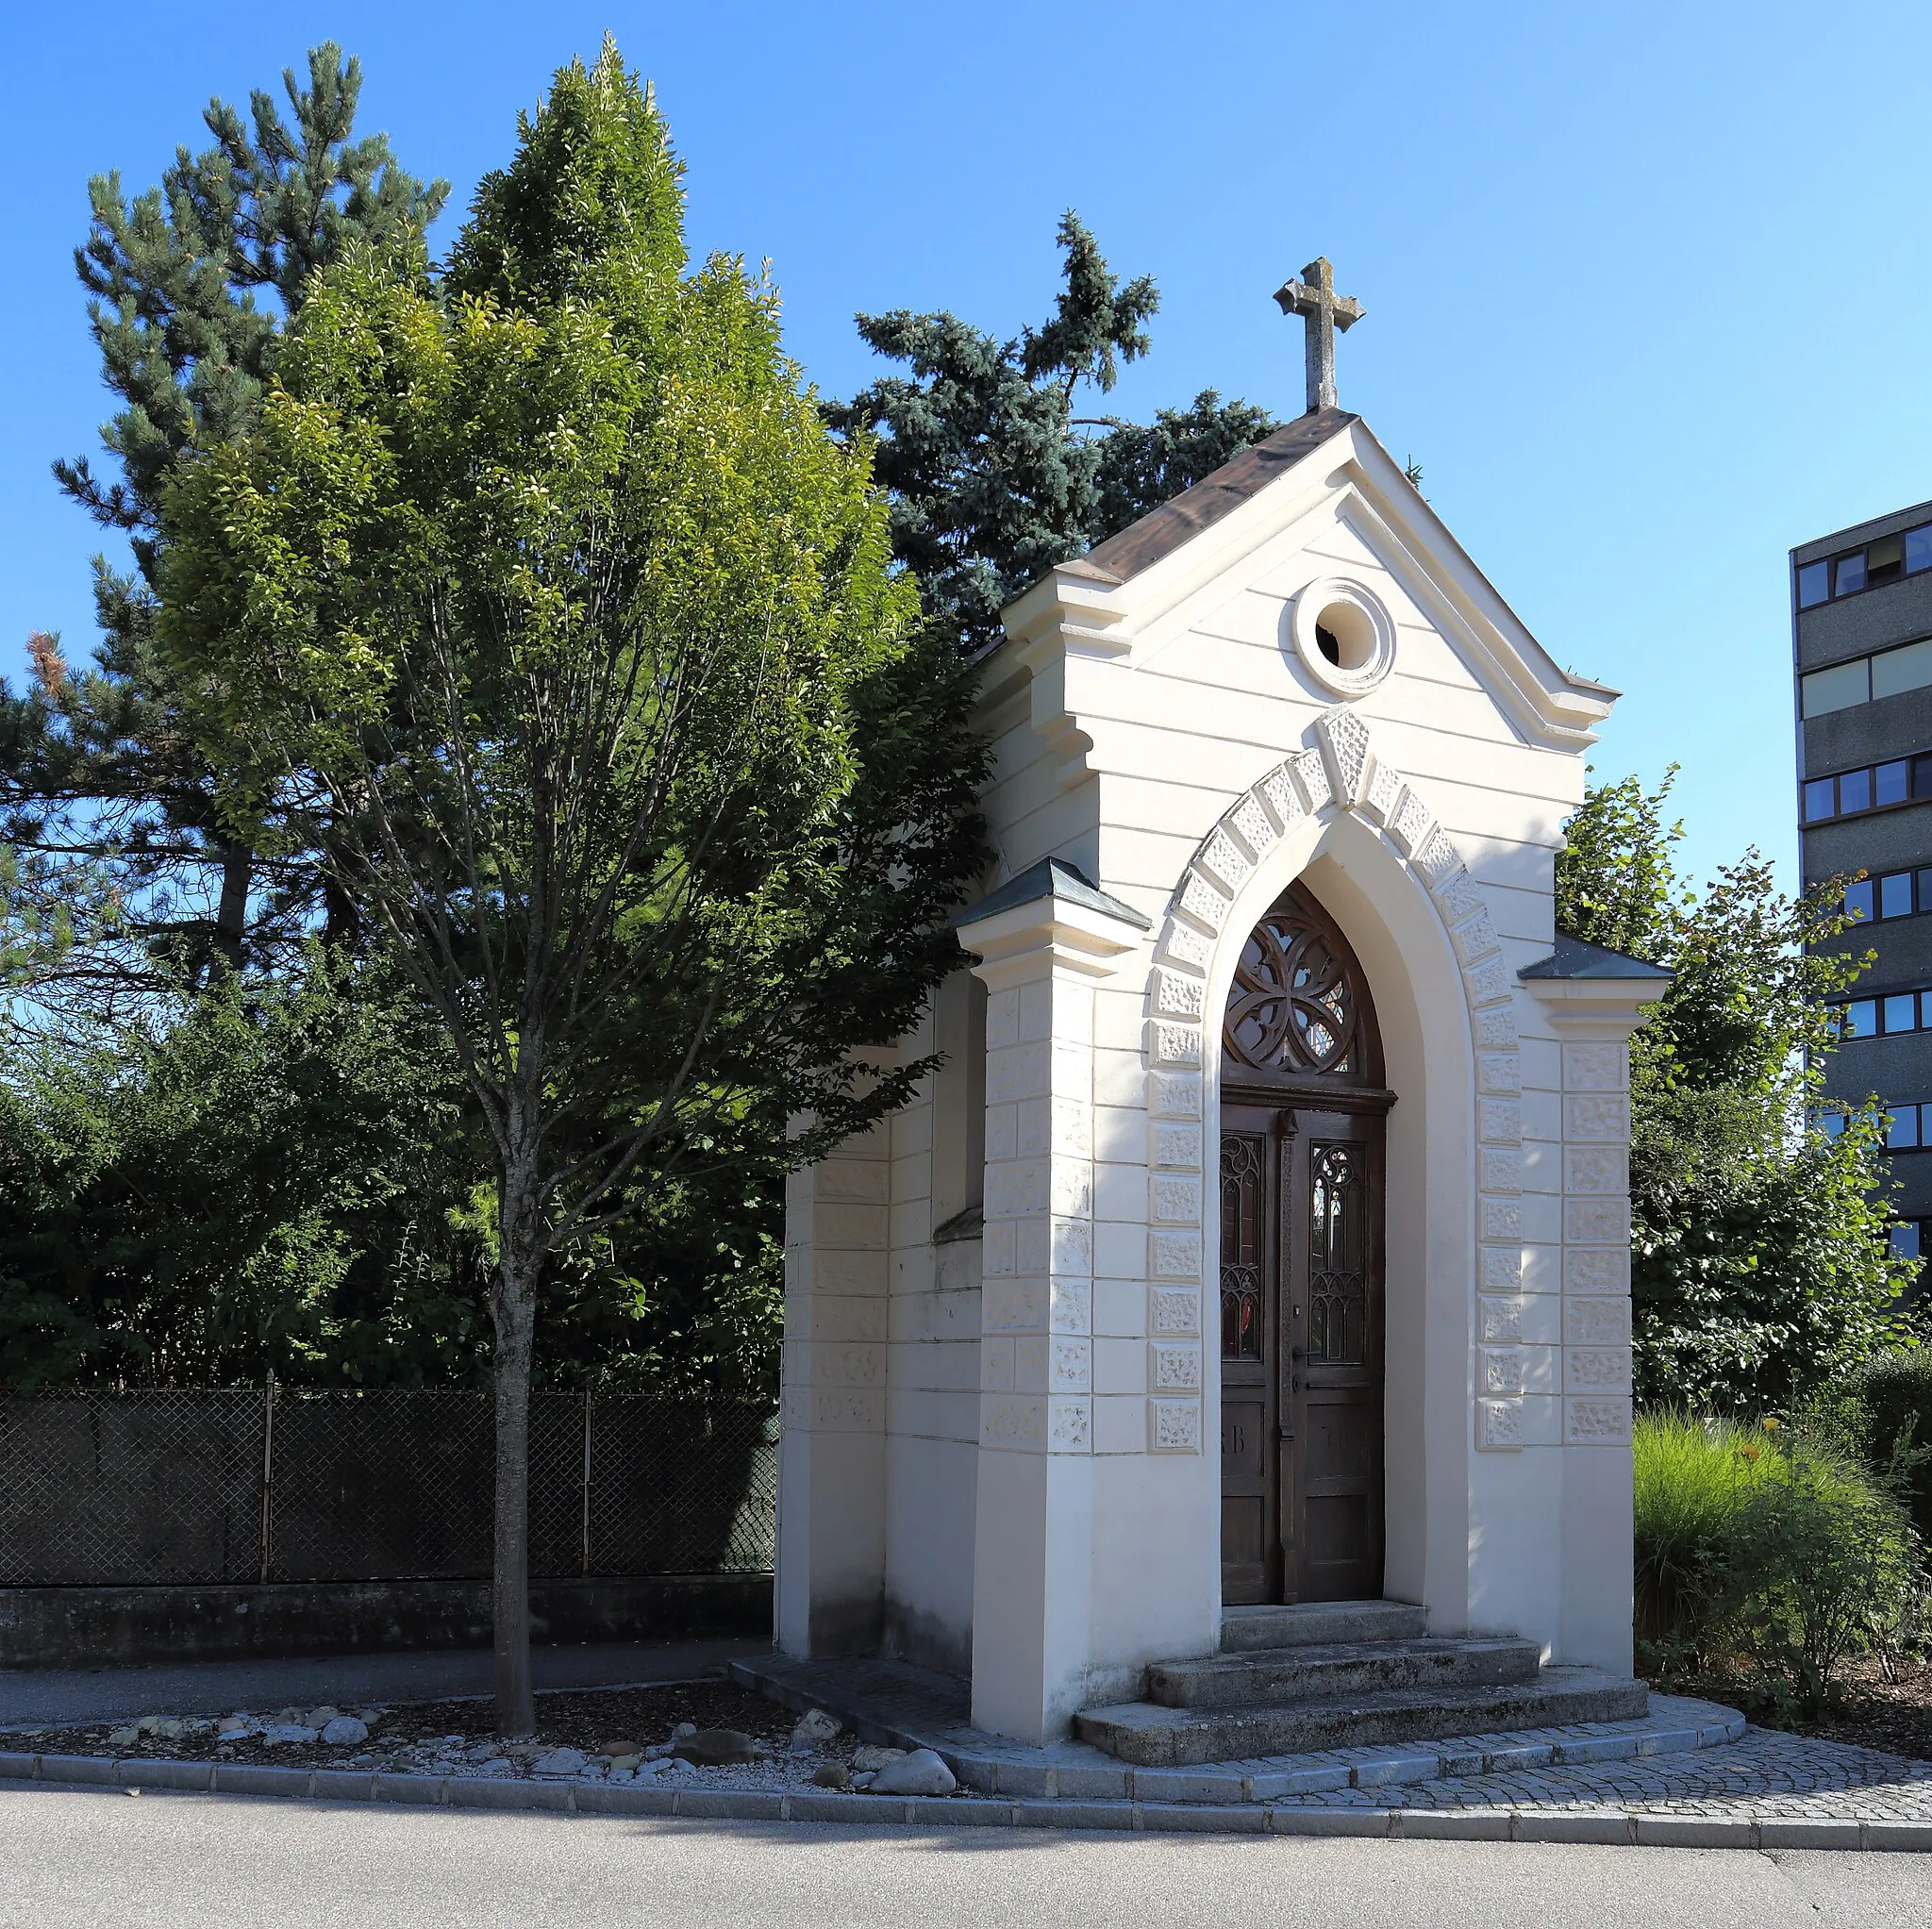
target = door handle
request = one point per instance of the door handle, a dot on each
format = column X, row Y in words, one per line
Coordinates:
column 1297, row 1353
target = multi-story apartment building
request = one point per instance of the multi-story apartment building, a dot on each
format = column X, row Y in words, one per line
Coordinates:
column 1861, row 627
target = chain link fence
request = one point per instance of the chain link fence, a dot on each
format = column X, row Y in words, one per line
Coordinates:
column 275, row 1484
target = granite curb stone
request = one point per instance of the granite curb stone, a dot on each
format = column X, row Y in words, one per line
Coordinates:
column 1598, row 1824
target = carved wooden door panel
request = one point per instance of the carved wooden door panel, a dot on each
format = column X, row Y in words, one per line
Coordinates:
column 1250, row 1265
column 1302, row 1339
column 1330, row 1364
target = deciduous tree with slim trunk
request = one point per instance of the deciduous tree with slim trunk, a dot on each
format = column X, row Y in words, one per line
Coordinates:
column 541, row 599
column 1760, row 1260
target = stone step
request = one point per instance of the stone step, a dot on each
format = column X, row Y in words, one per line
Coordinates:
column 1277, row 1674
column 1308, row 1622
column 1151, row 1736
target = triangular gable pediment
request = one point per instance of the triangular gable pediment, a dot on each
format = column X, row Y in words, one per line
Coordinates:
column 1138, row 592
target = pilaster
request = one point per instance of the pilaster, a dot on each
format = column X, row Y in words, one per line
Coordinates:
column 1592, row 1019
column 831, row 1537
column 1039, row 958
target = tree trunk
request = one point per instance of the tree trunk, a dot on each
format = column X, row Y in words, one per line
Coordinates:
column 513, row 1311
column 231, row 914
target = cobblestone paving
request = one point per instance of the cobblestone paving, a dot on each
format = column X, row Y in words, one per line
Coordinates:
column 1767, row 1773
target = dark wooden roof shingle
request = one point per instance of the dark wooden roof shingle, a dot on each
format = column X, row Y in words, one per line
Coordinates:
column 1161, row 531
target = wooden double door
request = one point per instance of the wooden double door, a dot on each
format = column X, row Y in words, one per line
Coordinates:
column 1302, row 1345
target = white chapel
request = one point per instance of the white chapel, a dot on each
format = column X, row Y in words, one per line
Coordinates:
column 1263, row 1241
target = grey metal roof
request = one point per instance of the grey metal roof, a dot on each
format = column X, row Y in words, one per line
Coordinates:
column 1575, row 957
column 1051, row 877
column 1161, row 531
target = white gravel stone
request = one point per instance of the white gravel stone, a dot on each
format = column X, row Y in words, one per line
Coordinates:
column 922, row 1772
column 815, row 1728
column 560, row 1761
column 284, row 1732
column 345, row 1730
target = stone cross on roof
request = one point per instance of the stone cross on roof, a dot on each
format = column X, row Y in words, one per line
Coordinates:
column 1313, row 298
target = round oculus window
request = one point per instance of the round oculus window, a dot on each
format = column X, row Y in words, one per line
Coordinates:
column 1343, row 636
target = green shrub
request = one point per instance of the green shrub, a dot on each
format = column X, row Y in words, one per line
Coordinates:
column 1766, row 1554
column 1889, row 1401
column 1829, row 1562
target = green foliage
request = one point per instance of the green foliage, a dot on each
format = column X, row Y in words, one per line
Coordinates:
column 121, row 877
column 1882, row 1411
column 253, row 1178
column 541, row 602
column 1691, row 1477
column 1770, row 1552
column 1832, row 1561
column 991, row 476
column 547, row 604
column 282, row 1173
column 1761, row 1258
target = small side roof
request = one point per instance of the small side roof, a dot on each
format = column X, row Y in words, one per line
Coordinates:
column 1051, row 877
column 1575, row 958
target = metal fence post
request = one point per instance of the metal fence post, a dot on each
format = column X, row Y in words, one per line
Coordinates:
column 584, row 1545
column 268, row 1469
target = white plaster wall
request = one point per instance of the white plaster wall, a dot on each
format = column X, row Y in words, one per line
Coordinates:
column 1174, row 730
column 1064, row 1570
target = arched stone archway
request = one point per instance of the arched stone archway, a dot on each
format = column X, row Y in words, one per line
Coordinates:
column 1270, row 833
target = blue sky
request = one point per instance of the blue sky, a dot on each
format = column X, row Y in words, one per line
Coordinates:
column 1647, row 286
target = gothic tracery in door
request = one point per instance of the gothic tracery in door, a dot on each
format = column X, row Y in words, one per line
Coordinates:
column 1296, row 1005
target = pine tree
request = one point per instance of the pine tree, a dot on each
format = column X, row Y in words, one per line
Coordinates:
column 119, row 873
column 993, row 477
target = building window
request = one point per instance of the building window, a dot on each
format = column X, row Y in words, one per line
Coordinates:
column 1885, row 562
column 1866, row 679
column 1841, row 688
column 1882, row 561
column 1895, row 1012
column 1905, row 1126
column 1907, row 1240
column 1876, row 786
column 1897, row 894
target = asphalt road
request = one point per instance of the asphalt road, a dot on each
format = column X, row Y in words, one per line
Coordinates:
column 85, row 1859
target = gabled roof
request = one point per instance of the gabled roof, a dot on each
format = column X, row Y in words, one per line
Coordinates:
column 1143, row 582
column 1163, row 530
column 1575, row 958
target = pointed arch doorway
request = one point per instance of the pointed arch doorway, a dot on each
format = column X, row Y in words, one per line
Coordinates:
column 1302, row 1106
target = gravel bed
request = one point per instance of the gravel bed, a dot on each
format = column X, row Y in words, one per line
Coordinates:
column 448, row 1737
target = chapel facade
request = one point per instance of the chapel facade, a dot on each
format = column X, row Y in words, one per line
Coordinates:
column 1264, row 1238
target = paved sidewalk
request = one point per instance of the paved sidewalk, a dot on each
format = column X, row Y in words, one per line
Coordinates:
column 56, row 1697
column 1765, row 1791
